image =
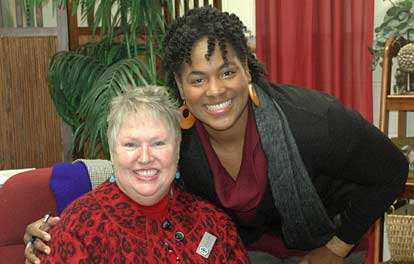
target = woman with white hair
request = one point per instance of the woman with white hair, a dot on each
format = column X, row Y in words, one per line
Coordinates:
column 139, row 215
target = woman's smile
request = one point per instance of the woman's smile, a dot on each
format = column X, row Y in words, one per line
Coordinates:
column 146, row 174
column 219, row 108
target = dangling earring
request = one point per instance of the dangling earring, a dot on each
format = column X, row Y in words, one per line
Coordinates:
column 186, row 119
column 112, row 179
column 177, row 175
column 253, row 95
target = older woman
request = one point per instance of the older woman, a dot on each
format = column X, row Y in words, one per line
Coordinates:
column 139, row 215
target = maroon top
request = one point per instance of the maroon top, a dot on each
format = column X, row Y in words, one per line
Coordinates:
column 244, row 194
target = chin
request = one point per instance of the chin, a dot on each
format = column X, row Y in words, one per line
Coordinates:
column 221, row 126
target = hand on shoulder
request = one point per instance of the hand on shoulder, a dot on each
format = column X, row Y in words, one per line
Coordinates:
column 39, row 230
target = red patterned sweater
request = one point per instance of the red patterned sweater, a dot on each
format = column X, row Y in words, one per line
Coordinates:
column 106, row 226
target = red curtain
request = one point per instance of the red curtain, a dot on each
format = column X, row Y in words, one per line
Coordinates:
column 319, row 44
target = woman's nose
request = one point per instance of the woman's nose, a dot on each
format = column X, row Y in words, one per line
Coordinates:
column 215, row 88
column 145, row 156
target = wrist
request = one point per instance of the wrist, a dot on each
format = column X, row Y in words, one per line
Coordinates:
column 339, row 247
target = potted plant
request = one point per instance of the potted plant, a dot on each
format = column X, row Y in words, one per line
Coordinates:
column 398, row 22
column 83, row 82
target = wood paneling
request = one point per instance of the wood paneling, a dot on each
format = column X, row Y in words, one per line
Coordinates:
column 30, row 127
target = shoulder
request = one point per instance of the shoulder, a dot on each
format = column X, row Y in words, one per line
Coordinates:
column 292, row 98
column 85, row 210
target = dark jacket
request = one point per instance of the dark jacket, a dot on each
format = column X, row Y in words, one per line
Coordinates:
column 356, row 170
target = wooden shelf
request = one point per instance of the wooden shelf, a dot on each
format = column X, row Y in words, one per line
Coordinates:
column 409, row 188
column 400, row 103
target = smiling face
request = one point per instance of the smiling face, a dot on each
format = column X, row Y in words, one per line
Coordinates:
column 145, row 158
column 215, row 92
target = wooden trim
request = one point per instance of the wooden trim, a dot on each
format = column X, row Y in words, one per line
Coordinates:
column 28, row 32
column 167, row 14
column 63, row 44
column 39, row 16
column 86, row 31
column 91, row 17
column 217, row 4
column 385, row 86
column 402, row 124
column 73, row 28
column 177, row 8
column 378, row 229
column 186, row 6
column 399, row 103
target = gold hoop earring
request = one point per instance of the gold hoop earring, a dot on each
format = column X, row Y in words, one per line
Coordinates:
column 187, row 119
column 253, row 95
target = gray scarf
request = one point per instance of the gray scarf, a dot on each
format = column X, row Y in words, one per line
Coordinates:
column 305, row 223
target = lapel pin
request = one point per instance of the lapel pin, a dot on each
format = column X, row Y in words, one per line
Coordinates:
column 206, row 245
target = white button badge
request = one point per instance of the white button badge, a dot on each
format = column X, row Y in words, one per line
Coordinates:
column 206, row 244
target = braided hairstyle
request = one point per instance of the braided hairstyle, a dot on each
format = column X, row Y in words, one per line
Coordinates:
column 207, row 22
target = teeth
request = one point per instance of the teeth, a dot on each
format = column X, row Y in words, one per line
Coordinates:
column 146, row 173
column 218, row 106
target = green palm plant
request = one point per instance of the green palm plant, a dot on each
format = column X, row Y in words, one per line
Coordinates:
column 83, row 82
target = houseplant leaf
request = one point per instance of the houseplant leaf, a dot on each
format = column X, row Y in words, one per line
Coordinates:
column 95, row 104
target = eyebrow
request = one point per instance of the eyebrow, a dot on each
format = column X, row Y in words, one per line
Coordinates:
column 224, row 65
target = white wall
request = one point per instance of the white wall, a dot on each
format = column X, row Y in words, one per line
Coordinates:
column 245, row 10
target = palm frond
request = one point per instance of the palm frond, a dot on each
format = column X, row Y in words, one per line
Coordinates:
column 95, row 104
column 83, row 82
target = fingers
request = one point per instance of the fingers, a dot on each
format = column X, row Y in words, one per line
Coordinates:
column 39, row 245
column 33, row 230
column 32, row 247
column 51, row 222
column 27, row 237
column 29, row 255
column 38, row 230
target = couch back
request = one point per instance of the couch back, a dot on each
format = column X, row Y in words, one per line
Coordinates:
column 24, row 198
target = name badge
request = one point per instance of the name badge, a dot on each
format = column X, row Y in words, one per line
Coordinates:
column 206, row 245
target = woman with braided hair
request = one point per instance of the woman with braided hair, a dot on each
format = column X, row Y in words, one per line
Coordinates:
column 302, row 176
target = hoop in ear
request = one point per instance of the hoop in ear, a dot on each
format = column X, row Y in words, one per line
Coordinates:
column 253, row 95
column 187, row 119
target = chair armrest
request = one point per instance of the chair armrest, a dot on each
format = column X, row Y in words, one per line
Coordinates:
column 24, row 198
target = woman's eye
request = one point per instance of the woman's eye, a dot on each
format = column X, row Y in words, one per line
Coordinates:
column 158, row 143
column 197, row 82
column 228, row 73
column 129, row 145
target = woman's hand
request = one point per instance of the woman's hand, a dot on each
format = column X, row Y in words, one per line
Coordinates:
column 321, row 255
column 37, row 229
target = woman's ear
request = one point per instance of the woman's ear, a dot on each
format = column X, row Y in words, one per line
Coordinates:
column 179, row 83
column 247, row 70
